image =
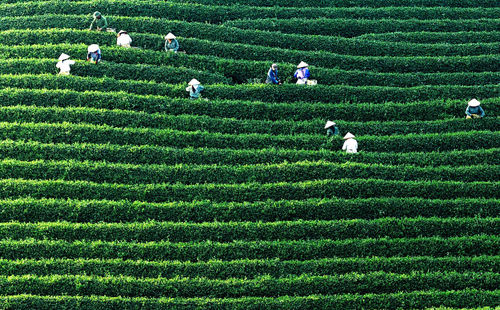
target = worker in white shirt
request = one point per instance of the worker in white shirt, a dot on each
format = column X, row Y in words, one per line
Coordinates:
column 350, row 145
column 123, row 39
column 64, row 64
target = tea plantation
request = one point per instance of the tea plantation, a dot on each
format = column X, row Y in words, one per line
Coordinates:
column 119, row 192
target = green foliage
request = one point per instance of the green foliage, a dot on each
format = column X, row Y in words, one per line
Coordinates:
column 94, row 211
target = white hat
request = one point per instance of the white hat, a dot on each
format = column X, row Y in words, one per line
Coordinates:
column 93, row 48
column 474, row 103
column 170, row 36
column 329, row 124
column 194, row 82
column 121, row 31
column 302, row 65
column 349, row 136
column 64, row 57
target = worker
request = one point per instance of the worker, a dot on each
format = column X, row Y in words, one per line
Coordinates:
column 350, row 145
column 194, row 89
column 272, row 75
column 331, row 129
column 302, row 73
column 94, row 53
column 171, row 44
column 99, row 21
column 474, row 110
column 123, row 39
column 64, row 64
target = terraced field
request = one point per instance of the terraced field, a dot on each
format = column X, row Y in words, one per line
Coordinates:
column 118, row 192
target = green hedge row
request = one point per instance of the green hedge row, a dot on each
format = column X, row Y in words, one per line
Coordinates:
column 172, row 75
column 103, row 172
column 423, row 37
column 459, row 299
column 285, row 250
column 376, row 282
column 286, row 100
column 219, row 13
column 256, row 43
column 352, row 27
column 347, row 188
column 162, row 74
column 252, row 231
column 343, row 3
column 252, row 48
column 86, row 133
column 127, row 118
column 94, row 211
column 242, row 69
column 146, row 154
column 249, row 269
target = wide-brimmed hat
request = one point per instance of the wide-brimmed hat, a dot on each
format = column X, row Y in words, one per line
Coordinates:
column 349, row 136
column 194, row 82
column 93, row 48
column 170, row 36
column 122, row 31
column 274, row 66
column 329, row 124
column 64, row 57
column 97, row 14
column 302, row 65
column 474, row 103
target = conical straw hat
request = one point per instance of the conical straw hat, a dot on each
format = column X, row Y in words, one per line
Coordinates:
column 194, row 82
column 474, row 103
column 64, row 57
column 329, row 124
column 93, row 48
column 349, row 136
column 170, row 36
column 302, row 65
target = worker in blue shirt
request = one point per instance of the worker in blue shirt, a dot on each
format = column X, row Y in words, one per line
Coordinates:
column 474, row 110
column 272, row 75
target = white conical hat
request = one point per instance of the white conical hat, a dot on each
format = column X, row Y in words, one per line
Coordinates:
column 64, row 57
column 329, row 124
column 474, row 103
column 170, row 36
column 122, row 31
column 93, row 48
column 194, row 82
column 349, row 136
column 302, row 65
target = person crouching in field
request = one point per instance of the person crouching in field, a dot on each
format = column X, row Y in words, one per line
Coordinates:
column 474, row 110
column 94, row 53
column 123, row 39
column 272, row 75
column 331, row 129
column 64, row 64
column 100, row 22
column 350, row 145
column 194, row 89
column 171, row 43
column 302, row 73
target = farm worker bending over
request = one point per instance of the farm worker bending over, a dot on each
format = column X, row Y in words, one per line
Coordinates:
column 331, row 129
column 94, row 53
column 302, row 73
column 272, row 75
column 474, row 110
column 64, row 64
column 171, row 44
column 194, row 89
column 123, row 39
column 350, row 145
column 99, row 21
